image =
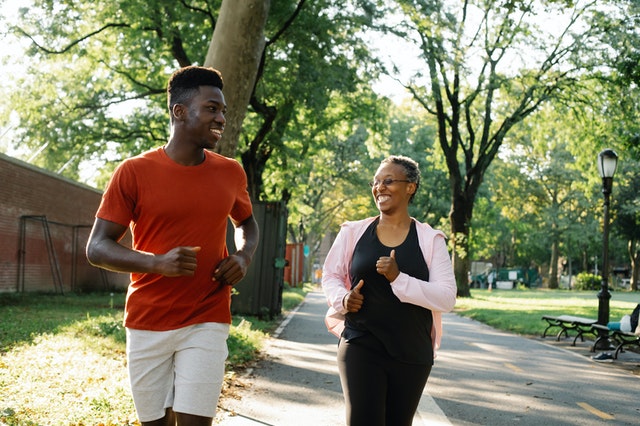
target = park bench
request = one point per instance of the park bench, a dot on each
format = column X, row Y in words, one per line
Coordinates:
column 568, row 323
column 618, row 337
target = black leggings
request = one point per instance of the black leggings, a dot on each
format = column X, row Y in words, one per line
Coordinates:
column 378, row 390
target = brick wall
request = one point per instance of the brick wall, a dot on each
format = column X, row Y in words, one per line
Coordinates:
column 28, row 195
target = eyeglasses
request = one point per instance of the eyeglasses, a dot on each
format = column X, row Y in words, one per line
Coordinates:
column 386, row 182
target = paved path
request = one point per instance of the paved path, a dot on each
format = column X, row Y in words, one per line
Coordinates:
column 481, row 377
column 298, row 380
column 486, row 377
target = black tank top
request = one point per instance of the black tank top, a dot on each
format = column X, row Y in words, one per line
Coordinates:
column 403, row 328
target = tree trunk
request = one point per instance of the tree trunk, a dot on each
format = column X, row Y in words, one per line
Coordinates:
column 460, row 218
column 461, row 264
column 553, row 267
column 235, row 50
column 634, row 256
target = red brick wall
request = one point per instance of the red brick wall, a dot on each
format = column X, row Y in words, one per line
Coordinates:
column 294, row 271
column 31, row 193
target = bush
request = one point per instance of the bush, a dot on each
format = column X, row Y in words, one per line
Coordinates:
column 244, row 344
column 587, row 281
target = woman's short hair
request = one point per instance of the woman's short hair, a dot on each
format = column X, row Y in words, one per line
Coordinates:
column 411, row 169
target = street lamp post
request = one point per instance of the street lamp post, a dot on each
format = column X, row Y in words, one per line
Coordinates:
column 607, row 164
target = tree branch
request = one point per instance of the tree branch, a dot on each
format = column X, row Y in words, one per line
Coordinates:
column 75, row 42
column 287, row 24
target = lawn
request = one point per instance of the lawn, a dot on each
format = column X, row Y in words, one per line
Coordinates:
column 62, row 358
column 520, row 311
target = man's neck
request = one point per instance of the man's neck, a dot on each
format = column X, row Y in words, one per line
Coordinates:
column 186, row 156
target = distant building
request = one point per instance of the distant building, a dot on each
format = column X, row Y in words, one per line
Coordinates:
column 45, row 222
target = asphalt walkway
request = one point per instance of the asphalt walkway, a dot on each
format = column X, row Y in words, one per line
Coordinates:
column 481, row 377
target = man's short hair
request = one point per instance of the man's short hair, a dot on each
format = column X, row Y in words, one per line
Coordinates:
column 185, row 82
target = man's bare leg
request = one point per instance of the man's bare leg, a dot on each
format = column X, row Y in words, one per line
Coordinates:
column 169, row 419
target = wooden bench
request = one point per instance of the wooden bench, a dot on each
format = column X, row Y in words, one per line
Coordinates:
column 568, row 323
column 619, row 338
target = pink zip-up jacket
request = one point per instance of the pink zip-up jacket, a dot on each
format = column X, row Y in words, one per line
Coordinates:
column 438, row 294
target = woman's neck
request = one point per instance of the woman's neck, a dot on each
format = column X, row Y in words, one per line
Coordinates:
column 397, row 220
column 393, row 230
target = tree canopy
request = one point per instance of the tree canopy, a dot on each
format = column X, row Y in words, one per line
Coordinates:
column 488, row 66
column 500, row 100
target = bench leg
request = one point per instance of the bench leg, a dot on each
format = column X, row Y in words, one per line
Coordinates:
column 550, row 326
column 575, row 339
column 623, row 342
column 560, row 333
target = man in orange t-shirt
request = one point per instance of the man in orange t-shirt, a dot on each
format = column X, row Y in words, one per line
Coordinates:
column 176, row 200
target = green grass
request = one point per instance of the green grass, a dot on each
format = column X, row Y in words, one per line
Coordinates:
column 62, row 359
column 26, row 316
column 63, row 362
column 521, row 311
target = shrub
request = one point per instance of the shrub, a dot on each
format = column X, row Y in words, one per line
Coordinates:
column 244, row 344
column 587, row 281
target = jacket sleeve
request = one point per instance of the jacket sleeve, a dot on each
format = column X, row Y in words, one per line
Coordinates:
column 439, row 293
column 335, row 272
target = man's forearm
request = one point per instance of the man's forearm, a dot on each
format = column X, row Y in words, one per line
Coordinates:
column 108, row 254
column 246, row 238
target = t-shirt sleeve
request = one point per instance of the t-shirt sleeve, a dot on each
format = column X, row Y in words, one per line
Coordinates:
column 118, row 200
column 242, row 208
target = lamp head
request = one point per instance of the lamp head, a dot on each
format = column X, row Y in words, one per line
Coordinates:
column 607, row 163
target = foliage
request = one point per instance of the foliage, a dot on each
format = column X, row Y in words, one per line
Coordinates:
column 587, row 281
column 627, row 218
column 477, row 99
column 544, row 186
column 549, row 190
column 244, row 344
column 621, row 36
column 97, row 76
column 492, row 233
column 312, row 92
column 501, row 100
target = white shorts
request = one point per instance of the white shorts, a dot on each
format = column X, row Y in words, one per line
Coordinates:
column 182, row 368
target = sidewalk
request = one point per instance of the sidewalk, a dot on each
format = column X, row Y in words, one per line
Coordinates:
column 298, row 381
column 484, row 376
column 481, row 377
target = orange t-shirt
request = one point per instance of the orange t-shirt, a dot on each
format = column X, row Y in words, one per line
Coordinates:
column 169, row 205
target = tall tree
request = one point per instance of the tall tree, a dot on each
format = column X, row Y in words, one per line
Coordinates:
column 621, row 34
column 314, row 56
column 121, row 52
column 95, row 80
column 552, row 193
column 507, row 228
column 627, row 218
column 489, row 65
column 236, row 49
